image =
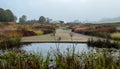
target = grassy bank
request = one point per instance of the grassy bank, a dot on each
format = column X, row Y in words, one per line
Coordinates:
column 103, row 43
column 10, row 41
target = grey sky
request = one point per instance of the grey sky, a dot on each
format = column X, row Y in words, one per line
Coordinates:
column 67, row 10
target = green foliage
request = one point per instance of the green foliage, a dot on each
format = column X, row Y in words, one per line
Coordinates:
column 20, row 60
column 38, row 32
column 9, row 42
column 10, row 15
column 6, row 15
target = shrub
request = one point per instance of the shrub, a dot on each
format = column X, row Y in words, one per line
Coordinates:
column 79, row 30
column 47, row 31
column 27, row 33
column 38, row 32
column 115, row 36
column 13, row 33
column 45, row 28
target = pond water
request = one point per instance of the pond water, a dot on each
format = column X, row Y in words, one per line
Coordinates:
column 44, row 48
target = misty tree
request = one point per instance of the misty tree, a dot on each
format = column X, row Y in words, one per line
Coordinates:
column 6, row 15
column 15, row 18
column 76, row 21
column 10, row 16
column 32, row 21
column 61, row 22
column 48, row 20
column 23, row 19
column 2, row 15
column 42, row 19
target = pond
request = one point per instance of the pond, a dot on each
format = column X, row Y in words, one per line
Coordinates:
column 44, row 48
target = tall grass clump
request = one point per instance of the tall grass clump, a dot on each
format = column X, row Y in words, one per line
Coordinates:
column 101, row 60
column 9, row 41
column 66, row 60
column 20, row 60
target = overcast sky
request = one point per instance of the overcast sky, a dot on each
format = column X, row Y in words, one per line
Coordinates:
column 67, row 10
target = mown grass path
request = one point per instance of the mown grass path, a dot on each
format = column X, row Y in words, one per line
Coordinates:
column 63, row 34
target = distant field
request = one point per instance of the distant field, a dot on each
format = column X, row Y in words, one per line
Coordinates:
column 114, row 24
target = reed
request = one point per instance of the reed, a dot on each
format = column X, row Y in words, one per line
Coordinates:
column 21, row 60
column 7, row 42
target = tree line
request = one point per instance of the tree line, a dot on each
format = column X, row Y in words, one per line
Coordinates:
column 42, row 19
column 8, row 16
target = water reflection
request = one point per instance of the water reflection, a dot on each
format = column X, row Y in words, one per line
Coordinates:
column 49, row 47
